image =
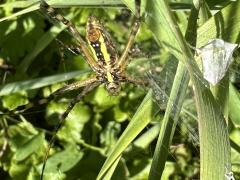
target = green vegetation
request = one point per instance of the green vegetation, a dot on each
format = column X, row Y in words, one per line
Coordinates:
column 177, row 128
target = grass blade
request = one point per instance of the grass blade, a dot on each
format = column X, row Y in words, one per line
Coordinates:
column 139, row 121
column 175, row 102
column 169, row 122
column 38, row 82
column 56, row 3
column 42, row 43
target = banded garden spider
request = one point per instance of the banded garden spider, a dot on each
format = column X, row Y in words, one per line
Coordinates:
column 103, row 59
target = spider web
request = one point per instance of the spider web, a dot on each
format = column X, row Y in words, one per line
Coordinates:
column 161, row 84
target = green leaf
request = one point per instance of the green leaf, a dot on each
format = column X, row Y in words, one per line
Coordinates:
column 31, row 146
column 109, row 136
column 234, row 105
column 148, row 137
column 14, row 100
column 103, row 99
column 119, row 115
column 74, row 124
column 62, row 161
column 227, row 27
column 18, row 171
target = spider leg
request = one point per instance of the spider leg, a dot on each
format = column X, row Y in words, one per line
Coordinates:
column 57, row 93
column 74, row 86
column 71, row 48
column 122, row 62
column 72, row 103
column 136, row 81
column 52, row 13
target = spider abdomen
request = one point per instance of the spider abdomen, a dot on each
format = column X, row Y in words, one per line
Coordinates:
column 100, row 41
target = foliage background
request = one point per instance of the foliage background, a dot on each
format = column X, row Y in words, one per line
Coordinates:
column 28, row 44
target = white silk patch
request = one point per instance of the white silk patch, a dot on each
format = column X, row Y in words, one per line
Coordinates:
column 216, row 57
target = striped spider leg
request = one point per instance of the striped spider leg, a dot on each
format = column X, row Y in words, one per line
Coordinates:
column 71, row 48
column 7, row 69
column 103, row 59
